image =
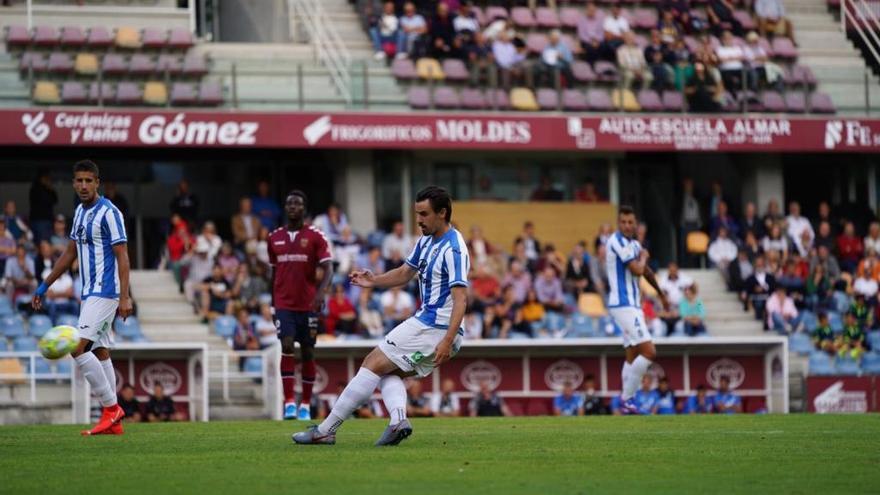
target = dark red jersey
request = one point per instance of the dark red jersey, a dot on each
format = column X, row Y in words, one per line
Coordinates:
column 295, row 257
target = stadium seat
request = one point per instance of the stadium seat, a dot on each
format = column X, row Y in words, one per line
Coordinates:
column 494, row 12
column 64, row 366
column 555, row 321
column 107, row 92
column 871, row 363
column 835, row 320
column 253, row 365
column 210, row 93
column 429, row 68
column 582, row 72
column 581, row 327
column 606, row 71
column 169, row 63
column 497, row 99
column 14, row 368
column 46, row 92
column 72, row 36
column 481, row 16
column 12, row 326
column 33, row 61
column 625, row 99
column 795, row 102
column 128, row 328
column 419, row 97
column 800, row 75
column 4, row 344
column 873, row 340
column 574, row 100
column 772, row 101
column 645, row 18
column 821, row 364
column 697, row 243
column 224, row 326
column 38, row 325
column 547, row 18
column 404, row 69
column 569, row 17
column 592, row 305
column 182, row 94
column 128, row 93
column 745, row 19
column 194, row 65
column 99, row 37
column 45, row 36
column 154, row 38
column 24, row 344
column 599, row 100
column 821, row 103
column 141, row 64
column 60, row 63
column 472, row 99
column 155, row 93
column 523, row 99
column 180, row 39
column 673, row 101
column 17, row 36
column 800, row 343
column 548, row 99
column 784, row 48
column 6, row 307
column 650, row 101
column 522, row 17
column 69, row 320
column 127, row 38
column 86, row 64
column 536, row 42
column 113, row 65
column 41, row 366
column 455, row 70
column 446, row 98
column 847, row 366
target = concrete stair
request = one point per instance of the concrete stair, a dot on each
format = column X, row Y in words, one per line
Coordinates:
column 724, row 314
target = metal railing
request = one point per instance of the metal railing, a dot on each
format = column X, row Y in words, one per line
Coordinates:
column 28, row 375
column 330, row 50
column 234, row 370
column 863, row 19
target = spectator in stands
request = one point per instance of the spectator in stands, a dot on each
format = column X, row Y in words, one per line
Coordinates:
column 866, row 284
column 264, row 205
column 758, row 288
column 772, row 20
column 511, row 61
column 715, row 200
column 19, row 274
column 480, row 60
column 591, row 33
column 751, row 222
column 341, row 319
column 673, row 283
column 775, row 243
column 370, row 314
column 215, row 295
column 676, row 8
column 773, row 215
column 738, row 271
column 782, row 315
column 244, row 338
column 823, row 335
column 722, row 251
column 480, row 249
column 519, row 280
column 250, row 286
column 546, row 191
column 796, row 225
column 723, row 218
column 653, row 320
column 44, row 261
column 615, row 26
column 530, row 317
column 60, row 297
column 646, row 398
column 864, row 315
column 385, row 32
column 567, row 403
column 200, row 267
column 818, row 288
column 43, row 199
column 185, row 203
column 726, row 401
column 660, row 58
column 397, row 306
column 485, row 289
column 869, row 265
column 828, row 261
column 418, row 404
column 409, row 37
column 161, row 407
column 851, row 343
column 556, row 56
column 442, row 32
column 179, row 245
column 531, row 243
column 210, row 238
column 15, row 224
column 872, row 240
column 397, row 241
column 721, row 18
column 691, row 218
column 264, row 327
column 548, row 288
column 7, row 244
column 129, row 403
column 761, row 70
column 59, row 239
column 731, row 58
column 752, row 247
column 790, row 279
column 332, row 223
column 245, row 225
column 692, row 313
column 487, row 403
column 229, row 262
column 346, row 250
column 446, row 404
column 665, row 397
column 465, row 22
column 591, row 403
column 499, row 320
column 632, row 63
column 598, row 270
column 587, row 193
column 577, row 271
column 849, row 248
column 605, row 232
column 699, row 403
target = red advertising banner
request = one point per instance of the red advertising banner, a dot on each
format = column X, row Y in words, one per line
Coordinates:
column 842, row 394
column 345, row 130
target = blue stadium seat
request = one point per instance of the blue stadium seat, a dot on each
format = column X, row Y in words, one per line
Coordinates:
column 24, row 344
column 836, row 321
column 68, row 320
column 800, row 343
column 847, row 366
column 809, row 320
column 581, row 327
column 253, row 365
column 38, row 325
column 821, row 363
column 871, row 363
column 555, row 321
column 63, row 366
column 4, row 346
column 6, row 307
column 12, row 326
column 127, row 329
column 376, row 237
column 874, row 340
column 42, row 367
column 224, row 326
column 518, row 336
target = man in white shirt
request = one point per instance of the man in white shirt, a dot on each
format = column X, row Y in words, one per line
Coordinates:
column 398, row 240
column 384, row 30
column 673, row 284
column 866, row 285
column 731, row 58
column 796, row 225
column 615, row 26
column 412, row 27
column 771, row 18
column 633, row 65
column 510, row 61
column 397, row 306
column 722, row 251
column 872, row 240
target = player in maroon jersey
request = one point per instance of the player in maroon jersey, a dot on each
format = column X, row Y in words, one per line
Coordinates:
column 295, row 253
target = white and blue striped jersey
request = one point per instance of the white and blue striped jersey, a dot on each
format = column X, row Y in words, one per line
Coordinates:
column 623, row 286
column 96, row 229
column 442, row 264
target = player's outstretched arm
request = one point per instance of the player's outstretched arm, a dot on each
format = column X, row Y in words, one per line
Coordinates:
column 651, row 278
column 394, row 278
column 121, row 252
column 61, row 266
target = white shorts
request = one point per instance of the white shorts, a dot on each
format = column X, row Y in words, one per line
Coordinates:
column 411, row 346
column 96, row 321
column 632, row 322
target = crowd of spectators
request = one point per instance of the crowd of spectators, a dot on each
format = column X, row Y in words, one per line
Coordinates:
column 706, row 54
column 159, row 407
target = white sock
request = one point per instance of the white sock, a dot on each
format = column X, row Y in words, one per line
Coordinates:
column 637, row 369
column 110, row 373
column 394, row 396
column 94, row 374
column 624, row 374
column 358, row 391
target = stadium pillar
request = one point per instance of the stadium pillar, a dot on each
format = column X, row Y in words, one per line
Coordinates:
column 872, row 187
column 765, row 181
column 613, row 182
column 359, row 191
column 406, row 194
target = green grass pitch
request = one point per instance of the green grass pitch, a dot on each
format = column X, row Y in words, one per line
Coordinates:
column 708, row 454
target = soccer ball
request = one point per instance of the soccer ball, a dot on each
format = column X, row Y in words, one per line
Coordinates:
column 59, row 341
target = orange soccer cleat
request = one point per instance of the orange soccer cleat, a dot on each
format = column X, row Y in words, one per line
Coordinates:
column 109, row 417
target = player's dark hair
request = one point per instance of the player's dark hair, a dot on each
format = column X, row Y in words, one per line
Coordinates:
column 86, row 166
column 439, row 199
column 302, row 195
column 626, row 210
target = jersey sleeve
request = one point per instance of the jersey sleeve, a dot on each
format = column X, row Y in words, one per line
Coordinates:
column 115, row 227
column 627, row 252
column 414, row 255
column 73, row 225
column 273, row 258
column 457, row 266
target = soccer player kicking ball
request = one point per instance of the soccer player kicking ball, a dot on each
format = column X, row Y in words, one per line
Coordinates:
column 98, row 239
column 295, row 253
column 626, row 261
column 421, row 343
